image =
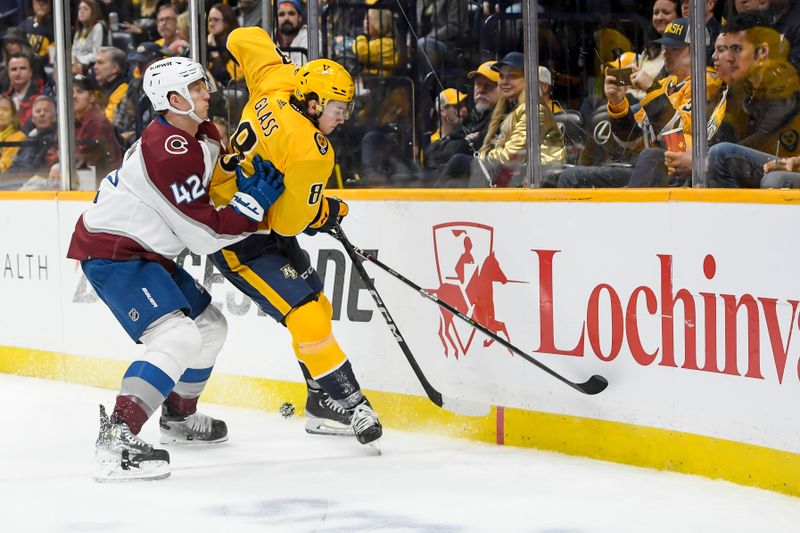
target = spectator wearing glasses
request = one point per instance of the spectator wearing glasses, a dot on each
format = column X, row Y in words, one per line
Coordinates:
column 221, row 22
column 167, row 25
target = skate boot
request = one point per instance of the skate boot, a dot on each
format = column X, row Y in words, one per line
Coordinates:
column 365, row 423
column 326, row 416
column 194, row 429
column 122, row 456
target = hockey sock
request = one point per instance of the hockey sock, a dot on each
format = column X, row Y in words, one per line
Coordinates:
column 342, row 386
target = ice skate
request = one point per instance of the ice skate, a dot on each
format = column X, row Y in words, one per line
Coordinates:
column 194, row 429
column 122, row 456
column 326, row 416
column 365, row 424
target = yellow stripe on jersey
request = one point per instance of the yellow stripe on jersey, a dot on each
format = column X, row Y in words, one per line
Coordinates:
column 255, row 281
column 313, row 340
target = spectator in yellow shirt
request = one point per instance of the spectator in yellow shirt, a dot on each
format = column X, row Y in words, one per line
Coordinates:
column 9, row 132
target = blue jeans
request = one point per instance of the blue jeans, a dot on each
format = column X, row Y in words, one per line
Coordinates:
column 732, row 166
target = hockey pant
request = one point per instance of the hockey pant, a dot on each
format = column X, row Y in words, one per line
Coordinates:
column 275, row 272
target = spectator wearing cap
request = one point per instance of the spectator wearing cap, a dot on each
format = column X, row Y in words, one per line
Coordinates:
column 24, row 88
column 135, row 108
column 9, row 133
column 42, row 151
column 660, row 129
column 546, row 90
column 110, row 71
column 469, row 133
column 39, row 27
column 448, row 105
column 502, row 158
column 90, row 34
column 292, row 33
column 96, row 143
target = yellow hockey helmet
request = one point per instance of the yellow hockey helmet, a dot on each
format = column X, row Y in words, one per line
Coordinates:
column 328, row 80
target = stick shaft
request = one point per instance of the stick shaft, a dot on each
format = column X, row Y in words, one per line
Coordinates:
column 434, row 395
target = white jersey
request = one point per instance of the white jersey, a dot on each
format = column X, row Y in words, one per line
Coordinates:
column 156, row 203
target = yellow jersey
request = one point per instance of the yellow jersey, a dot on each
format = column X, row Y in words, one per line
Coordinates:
column 273, row 129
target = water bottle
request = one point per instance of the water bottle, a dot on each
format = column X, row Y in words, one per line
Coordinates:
column 113, row 21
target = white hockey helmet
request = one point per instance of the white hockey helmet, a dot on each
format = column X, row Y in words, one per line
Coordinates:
column 174, row 74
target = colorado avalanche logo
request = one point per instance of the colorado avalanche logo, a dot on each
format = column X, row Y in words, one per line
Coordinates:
column 467, row 269
column 176, row 145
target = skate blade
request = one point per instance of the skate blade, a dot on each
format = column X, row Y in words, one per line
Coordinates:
column 174, row 441
column 322, row 426
column 158, row 470
column 375, row 446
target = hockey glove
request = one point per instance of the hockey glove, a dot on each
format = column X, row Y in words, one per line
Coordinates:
column 331, row 212
column 259, row 191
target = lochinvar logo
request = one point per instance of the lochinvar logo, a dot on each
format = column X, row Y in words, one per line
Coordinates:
column 468, row 269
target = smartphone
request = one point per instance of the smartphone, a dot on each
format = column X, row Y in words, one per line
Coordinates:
column 623, row 75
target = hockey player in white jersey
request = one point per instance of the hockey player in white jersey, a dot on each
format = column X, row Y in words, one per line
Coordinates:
column 145, row 213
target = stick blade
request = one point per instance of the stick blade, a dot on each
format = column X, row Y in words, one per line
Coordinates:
column 465, row 407
column 594, row 385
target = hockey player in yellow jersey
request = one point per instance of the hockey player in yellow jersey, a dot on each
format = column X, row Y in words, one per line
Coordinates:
column 285, row 121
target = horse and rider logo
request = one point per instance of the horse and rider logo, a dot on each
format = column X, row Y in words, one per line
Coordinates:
column 467, row 268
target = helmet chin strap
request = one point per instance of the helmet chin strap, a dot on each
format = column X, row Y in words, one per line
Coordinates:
column 190, row 112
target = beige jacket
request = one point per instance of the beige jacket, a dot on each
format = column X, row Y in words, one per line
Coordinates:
column 506, row 138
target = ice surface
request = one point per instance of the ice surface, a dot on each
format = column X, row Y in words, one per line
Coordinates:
column 272, row 476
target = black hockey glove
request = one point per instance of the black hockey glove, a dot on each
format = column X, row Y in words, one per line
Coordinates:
column 331, row 212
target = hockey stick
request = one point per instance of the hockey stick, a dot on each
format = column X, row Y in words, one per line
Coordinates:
column 455, row 405
column 593, row 385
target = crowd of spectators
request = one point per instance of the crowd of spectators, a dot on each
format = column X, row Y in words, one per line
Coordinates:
column 441, row 87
